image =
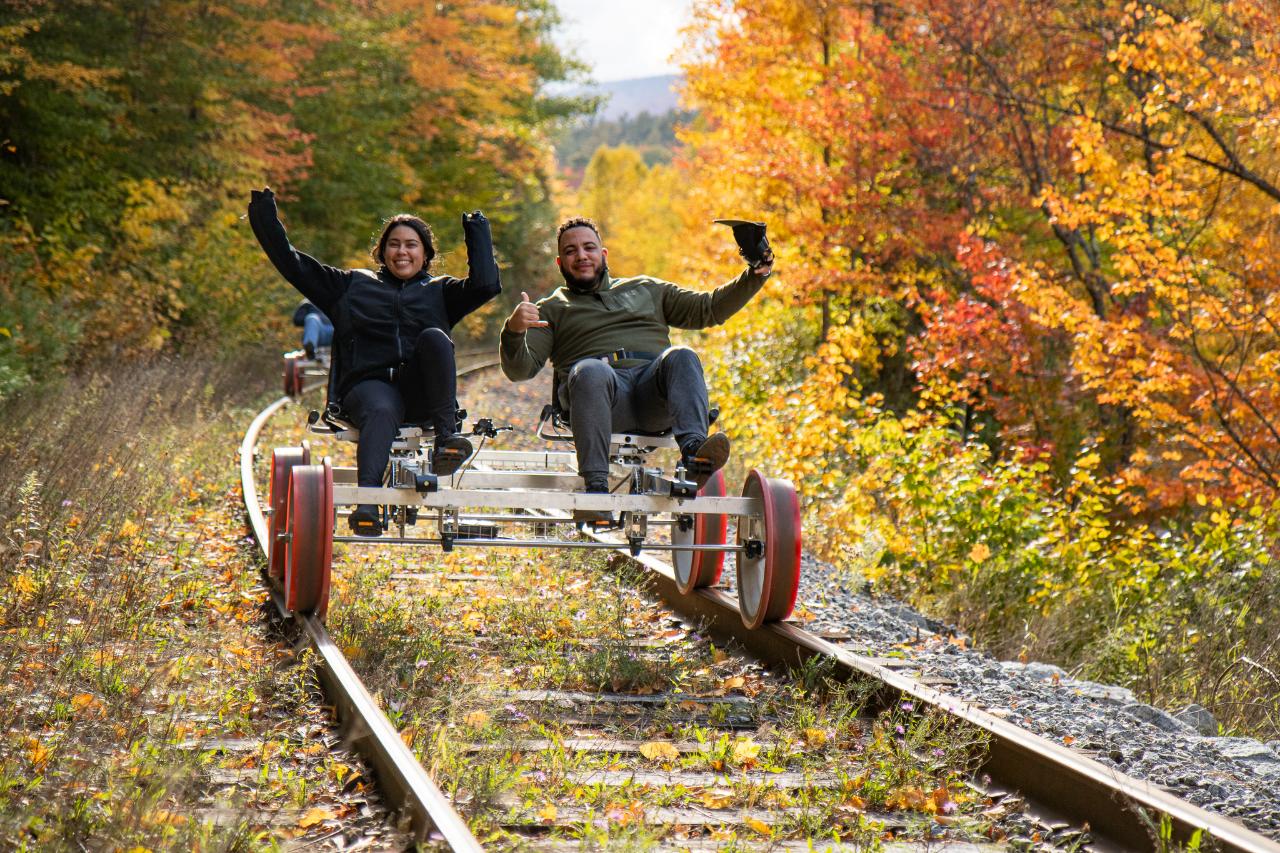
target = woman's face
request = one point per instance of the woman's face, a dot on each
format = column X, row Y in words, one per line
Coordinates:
column 404, row 253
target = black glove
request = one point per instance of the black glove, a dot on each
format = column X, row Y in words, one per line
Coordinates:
column 753, row 245
column 262, row 206
column 476, row 232
column 481, row 262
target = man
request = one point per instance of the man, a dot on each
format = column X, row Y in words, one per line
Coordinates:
column 609, row 343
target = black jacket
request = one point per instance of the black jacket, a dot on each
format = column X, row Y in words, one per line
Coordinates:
column 377, row 317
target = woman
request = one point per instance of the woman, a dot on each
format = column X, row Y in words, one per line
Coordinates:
column 391, row 334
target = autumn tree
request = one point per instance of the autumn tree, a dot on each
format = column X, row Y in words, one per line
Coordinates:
column 1075, row 181
column 634, row 207
column 133, row 132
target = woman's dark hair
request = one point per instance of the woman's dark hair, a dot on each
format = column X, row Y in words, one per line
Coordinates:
column 424, row 234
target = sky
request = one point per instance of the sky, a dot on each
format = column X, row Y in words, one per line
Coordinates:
column 622, row 39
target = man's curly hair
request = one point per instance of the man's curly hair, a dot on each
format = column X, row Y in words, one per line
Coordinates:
column 576, row 222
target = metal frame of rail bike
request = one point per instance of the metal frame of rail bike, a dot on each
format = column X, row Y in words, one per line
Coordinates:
column 298, row 369
column 499, row 492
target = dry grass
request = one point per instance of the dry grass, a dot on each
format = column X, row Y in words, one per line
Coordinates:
column 143, row 704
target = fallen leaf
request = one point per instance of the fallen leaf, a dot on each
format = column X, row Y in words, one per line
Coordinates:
column 715, row 800
column 758, row 825
column 316, row 816
column 814, row 737
column 37, row 753
column 659, row 750
column 745, row 750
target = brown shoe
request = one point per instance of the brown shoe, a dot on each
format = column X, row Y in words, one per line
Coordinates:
column 706, row 459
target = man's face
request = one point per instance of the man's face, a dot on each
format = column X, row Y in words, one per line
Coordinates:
column 581, row 256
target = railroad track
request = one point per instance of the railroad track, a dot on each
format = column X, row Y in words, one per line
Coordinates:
column 1058, row 784
column 402, row 780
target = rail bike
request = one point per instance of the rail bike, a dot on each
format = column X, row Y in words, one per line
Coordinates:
column 300, row 367
column 527, row 499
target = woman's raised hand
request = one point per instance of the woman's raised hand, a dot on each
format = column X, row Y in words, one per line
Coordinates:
column 525, row 317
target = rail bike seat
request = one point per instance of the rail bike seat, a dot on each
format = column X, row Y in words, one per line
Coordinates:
column 553, row 425
column 337, row 423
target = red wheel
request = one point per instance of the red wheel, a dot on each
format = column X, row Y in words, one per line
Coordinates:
column 282, row 460
column 293, row 375
column 696, row 569
column 769, row 571
column 309, row 546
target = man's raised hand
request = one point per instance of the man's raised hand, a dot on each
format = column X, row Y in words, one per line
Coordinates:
column 525, row 317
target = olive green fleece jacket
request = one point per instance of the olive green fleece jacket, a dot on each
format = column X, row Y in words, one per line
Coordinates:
column 627, row 314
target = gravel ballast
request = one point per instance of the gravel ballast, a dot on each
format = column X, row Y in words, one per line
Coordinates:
column 1179, row 752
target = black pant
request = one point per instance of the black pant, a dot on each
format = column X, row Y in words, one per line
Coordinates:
column 424, row 392
column 667, row 393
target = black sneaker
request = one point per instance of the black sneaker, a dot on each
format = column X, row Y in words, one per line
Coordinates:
column 310, row 349
column 706, row 458
column 451, row 451
column 594, row 485
column 364, row 521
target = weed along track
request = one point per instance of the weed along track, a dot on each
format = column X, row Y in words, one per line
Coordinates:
column 551, row 699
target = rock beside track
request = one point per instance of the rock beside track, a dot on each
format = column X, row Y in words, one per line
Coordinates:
column 1180, row 752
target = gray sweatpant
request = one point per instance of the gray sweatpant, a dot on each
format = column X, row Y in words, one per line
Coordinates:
column 667, row 393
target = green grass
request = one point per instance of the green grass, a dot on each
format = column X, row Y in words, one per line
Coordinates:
column 444, row 653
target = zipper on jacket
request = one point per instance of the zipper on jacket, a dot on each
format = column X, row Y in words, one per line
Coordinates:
column 396, row 312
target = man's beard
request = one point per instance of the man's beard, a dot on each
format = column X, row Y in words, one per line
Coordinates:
column 590, row 285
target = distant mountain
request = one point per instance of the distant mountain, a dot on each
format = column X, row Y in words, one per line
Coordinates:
column 654, row 95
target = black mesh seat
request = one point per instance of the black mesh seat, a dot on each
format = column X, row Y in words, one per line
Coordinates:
column 553, row 425
column 333, row 420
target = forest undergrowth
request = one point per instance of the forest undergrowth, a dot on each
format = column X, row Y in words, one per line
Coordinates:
column 144, row 703
column 1177, row 606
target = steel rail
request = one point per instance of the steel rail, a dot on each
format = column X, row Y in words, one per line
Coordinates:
column 1056, row 781
column 401, row 778
column 1052, row 778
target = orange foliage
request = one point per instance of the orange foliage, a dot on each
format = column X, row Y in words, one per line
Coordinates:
column 1063, row 213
